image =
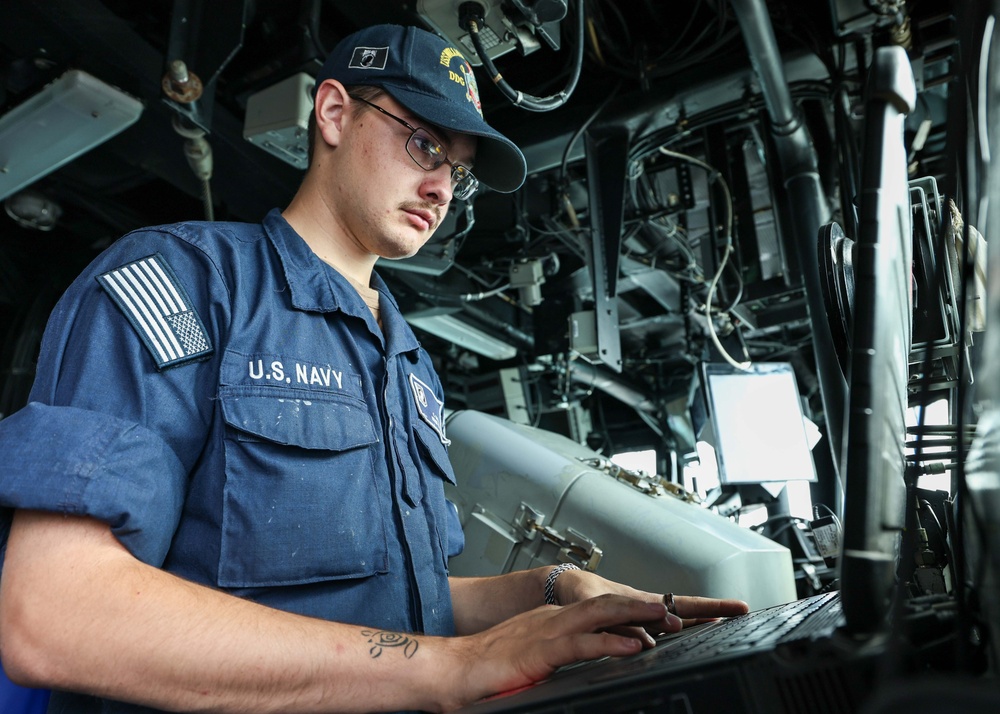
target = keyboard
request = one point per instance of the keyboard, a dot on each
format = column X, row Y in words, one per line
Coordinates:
column 809, row 618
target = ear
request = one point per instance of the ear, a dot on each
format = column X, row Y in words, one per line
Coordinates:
column 331, row 97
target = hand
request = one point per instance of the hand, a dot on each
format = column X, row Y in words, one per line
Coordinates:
column 529, row 647
column 577, row 585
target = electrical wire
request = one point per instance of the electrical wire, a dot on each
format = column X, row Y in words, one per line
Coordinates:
column 745, row 107
column 592, row 35
column 471, row 23
column 198, row 153
column 715, row 177
column 309, row 19
column 680, row 35
column 206, row 200
column 817, row 506
column 632, row 56
column 583, row 127
column 475, row 297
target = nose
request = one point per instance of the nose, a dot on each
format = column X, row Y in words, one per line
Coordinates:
column 436, row 186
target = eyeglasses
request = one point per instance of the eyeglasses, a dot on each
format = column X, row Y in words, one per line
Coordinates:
column 428, row 154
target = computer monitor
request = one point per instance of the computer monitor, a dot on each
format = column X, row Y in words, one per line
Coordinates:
column 757, row 422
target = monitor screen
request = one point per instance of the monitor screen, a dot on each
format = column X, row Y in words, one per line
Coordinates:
column 757, row 422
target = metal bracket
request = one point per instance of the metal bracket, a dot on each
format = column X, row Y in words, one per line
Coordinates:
column 649, row 484
column 527, row 520
column 205, row 36
column 607, row 160
column 573, row 547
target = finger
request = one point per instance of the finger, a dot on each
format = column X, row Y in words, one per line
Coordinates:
column 635, row 632
column 593, row 645
column 692, row 621
column 664, row 626
column 627, row 617
column 647, row 632
column 609, row 611
column 693, row 607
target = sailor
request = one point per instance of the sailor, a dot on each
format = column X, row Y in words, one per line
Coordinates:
column 228, row 486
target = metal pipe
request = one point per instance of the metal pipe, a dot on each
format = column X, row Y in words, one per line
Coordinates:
column 521, row 339
column 755, row 24
column 807, row 205
column 586, row 373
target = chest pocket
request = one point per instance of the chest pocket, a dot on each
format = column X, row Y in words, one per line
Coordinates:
column 302, row 502
column 436, row 470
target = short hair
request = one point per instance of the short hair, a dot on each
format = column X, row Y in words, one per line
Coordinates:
column 368, row 93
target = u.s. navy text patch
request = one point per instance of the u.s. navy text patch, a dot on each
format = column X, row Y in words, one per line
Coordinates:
column 153, row 300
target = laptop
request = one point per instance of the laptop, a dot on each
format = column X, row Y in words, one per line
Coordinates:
column 825, row 652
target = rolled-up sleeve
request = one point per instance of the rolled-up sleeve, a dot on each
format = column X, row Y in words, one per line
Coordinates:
column 108, row 432
column 80, row 462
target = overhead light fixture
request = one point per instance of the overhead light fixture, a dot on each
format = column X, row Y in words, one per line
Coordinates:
column 67, row 118
column 30, row 209
column 277, row 119
column 448, row 326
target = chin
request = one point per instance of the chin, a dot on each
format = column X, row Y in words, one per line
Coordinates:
column 403, row 246
column 399, row 255
column 398, row 249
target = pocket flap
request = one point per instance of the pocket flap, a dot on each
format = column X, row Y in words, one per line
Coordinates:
column 432, row 446
column 314, row 423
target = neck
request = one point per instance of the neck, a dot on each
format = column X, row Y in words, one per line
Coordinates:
column 320, row 228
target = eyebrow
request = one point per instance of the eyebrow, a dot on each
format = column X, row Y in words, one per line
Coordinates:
column 437, row 132
column 418, row 123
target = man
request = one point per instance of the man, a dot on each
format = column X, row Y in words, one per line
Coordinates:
column 229, row 481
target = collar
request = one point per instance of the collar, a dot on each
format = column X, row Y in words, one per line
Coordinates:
column 315, row 287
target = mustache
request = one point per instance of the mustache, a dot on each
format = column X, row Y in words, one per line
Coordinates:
column 432, row 208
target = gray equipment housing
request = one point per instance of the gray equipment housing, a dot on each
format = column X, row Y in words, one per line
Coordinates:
column 527, row 497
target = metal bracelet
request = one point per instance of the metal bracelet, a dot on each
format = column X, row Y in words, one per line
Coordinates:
column 550, row 582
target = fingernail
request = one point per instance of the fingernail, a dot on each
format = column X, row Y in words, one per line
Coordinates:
column 631, row 644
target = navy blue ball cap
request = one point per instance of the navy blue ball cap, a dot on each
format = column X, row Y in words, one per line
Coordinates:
column 432, row 79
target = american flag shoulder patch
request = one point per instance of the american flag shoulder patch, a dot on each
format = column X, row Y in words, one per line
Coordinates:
column 149, row 294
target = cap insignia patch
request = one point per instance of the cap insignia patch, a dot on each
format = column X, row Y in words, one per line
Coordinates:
column 369, row 58
column 464, row 76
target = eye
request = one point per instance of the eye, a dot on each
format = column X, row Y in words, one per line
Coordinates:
column 428, row 146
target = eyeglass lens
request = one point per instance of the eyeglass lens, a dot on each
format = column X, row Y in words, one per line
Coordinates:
column 429, row 154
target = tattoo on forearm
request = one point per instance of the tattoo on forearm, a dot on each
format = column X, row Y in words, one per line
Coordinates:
column 379, row 640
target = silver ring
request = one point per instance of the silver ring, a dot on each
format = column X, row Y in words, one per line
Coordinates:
column 668, row 600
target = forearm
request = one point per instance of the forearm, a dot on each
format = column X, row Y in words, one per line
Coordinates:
column 77, row 612
column 480, row 603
